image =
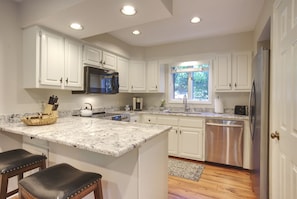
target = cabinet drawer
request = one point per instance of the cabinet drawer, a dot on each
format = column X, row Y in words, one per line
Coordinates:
column 171, row 121
column 191, row 122
column 149, row 119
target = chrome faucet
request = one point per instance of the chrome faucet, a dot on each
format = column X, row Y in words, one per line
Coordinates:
column 185, row 102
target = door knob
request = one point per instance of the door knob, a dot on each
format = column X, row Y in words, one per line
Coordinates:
column 275, row 135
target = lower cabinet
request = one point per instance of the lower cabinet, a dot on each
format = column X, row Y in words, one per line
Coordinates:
column 186, row 138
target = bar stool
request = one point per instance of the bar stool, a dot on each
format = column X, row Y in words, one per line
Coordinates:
column 16, row 163
column 60, row 181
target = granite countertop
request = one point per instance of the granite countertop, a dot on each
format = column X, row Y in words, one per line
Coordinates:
column 106, row 137
column 205, row 115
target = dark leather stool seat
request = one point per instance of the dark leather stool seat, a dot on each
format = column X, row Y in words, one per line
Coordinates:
column 60, row 181
column 16, row 163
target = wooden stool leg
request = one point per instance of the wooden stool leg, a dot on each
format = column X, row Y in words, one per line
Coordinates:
column 98, row 191
column 3, row 185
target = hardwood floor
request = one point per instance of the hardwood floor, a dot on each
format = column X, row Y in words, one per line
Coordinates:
column 216, row 182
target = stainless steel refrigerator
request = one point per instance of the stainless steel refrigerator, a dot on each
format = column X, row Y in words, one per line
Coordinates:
column 259, row 118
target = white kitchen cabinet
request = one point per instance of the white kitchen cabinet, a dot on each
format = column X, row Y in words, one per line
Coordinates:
column 233, row 72
column 92, row 56
column 242, row 70
column 123, row 70
column 155, row 75
column 137, row 71
column 98, row 58
column 134, row 118
column 149, row 119
column 173, row 135
column 186, row 138
column 50, row 60
column 73, row 74
column 109, row 61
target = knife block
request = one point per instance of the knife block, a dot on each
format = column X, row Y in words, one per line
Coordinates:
column 47, row 117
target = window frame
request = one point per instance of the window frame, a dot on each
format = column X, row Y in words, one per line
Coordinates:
column 190, row 100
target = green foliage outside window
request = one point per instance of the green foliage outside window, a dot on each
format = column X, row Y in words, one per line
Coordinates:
column 192, row 81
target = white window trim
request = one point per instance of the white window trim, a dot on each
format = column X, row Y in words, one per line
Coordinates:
column 180, row 101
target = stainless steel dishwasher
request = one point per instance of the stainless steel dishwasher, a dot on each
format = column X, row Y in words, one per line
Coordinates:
column 224, row 142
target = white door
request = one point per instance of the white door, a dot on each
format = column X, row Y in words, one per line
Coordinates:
column 283, row 104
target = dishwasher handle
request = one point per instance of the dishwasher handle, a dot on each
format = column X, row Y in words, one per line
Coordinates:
column 224, row 125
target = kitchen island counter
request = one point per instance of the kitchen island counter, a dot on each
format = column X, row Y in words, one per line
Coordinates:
column 101, row 136
column 131, row 157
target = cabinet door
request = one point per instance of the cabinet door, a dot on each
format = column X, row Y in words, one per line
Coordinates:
column 73, row 64
column 109, row 61
column 52, row 59
column 123, row 69
column 241, row 66
column 152, row 75
column 155, row 76
column 173, row 142
column 191, row 143
column 92, row 56
column 223, row 72
column 137, row 76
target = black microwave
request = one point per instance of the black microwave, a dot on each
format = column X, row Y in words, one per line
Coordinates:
column 98, row 80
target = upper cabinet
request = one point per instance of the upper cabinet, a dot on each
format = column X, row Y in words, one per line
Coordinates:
column 155, row 75
column 109, row 61
column 92, row 56
column 123, row 69
column 233, row 72
column 95, row 57
column 50, row 60
column 137, row 79
column 73, row 63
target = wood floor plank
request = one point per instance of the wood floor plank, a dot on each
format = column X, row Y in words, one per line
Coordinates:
column 216, row 182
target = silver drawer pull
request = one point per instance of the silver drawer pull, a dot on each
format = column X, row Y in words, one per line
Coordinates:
column 224, row 125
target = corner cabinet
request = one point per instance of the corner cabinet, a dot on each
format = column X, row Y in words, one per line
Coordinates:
column 50, row 60
column 155, row 75
column 137, row 77
column 233, row 72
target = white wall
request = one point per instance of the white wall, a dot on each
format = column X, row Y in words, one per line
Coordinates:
column 263, row 20
column 226, row 43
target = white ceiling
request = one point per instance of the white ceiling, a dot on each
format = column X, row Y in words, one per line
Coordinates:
column 160, row 21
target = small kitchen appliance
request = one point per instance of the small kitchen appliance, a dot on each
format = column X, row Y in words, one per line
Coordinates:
column 241, row 110
column 101, row 81
column 137, row 103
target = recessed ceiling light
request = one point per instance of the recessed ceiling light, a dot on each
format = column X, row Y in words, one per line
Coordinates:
column 128, row 10
column 76, row 26
column 195, row 20
column 136, row 32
